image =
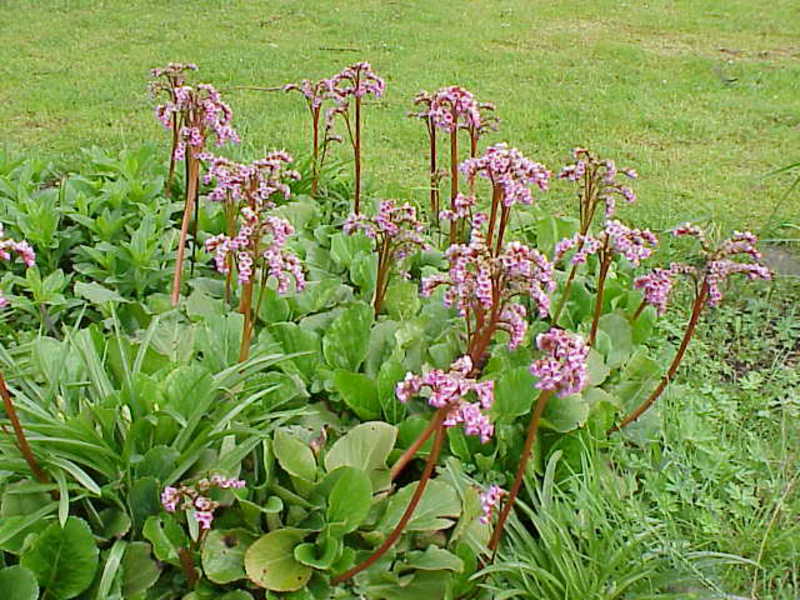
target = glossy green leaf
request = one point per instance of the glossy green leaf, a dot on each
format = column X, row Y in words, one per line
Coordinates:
column 350, row 499
column 223, row 554
column 359, row 392
column 294, row 455
column 402, row 299
column 366, row 447
column 437, row 508
column 18, row 583
column 513, row 394
column 64, row 560
column 270, row 561
column 346, row 342
column 434, row 559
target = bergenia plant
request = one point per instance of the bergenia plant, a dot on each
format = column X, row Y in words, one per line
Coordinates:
column 718, row 262
column 616, row 239
column 23, row 250
column 396, row 233
column 194, row 501
column 450, row 109
column 459, row 400
column 257, row 251
column 354, row 82
column 166, row 81
column 194, row 115
column 423, row 101
column 561, row 370
column 598, row 187
column 315, row 94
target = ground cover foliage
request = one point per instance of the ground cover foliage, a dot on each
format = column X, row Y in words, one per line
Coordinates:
column 259, row 431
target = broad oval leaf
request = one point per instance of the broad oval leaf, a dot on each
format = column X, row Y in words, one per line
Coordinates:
column 18, row 583
column 350, row 499
column 223, row 554
column 270, row 561
column 294, row 456
column 64, row 560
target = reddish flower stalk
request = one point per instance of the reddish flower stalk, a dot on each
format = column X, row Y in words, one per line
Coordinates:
column 424, row 100
column 412, row 505
column 315, row 93
column 719, row 265
column 533, row 428
column 597, row 184
column 258, row 250
column 167, row 80
column 200, row 114
column 355, row 81
column 396, row 232
column 19, row 433
column 561, row 370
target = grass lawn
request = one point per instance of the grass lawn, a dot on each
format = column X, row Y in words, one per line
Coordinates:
column 699, row 96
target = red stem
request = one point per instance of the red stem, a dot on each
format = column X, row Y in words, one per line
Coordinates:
column 358, row 156
column 412, row 450
column 697, row 309
column 395, row 535
column 191, row 191
column 453, row 181
column 533, row 427
column 315, row 153
column 605, row 263
column 19, row 433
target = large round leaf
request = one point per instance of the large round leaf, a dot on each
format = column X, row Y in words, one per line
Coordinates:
column 63, row 559
column 270, row 561
column 18, row 583
column 223, row 554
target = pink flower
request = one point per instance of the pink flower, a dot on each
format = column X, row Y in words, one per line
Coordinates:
column 452, row 106
column 507, row 169
column 591, row 172
column 449, row 390
column 633, row 244
column 563, row 367
column 9, row 247
column 656, row 287
column 490, row 499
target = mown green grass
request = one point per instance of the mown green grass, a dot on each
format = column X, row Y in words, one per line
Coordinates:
column 700, row 96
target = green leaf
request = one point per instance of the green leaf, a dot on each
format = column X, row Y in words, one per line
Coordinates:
column 346, row 342
column 643, row 326
column 295, row 456
column 391, row 373
column 270, row 561
column 223, row 554
column 166, row 536
column 434, row 559
column 359, row 392
column 402, row 300
column 365, row 447
column 513, row 394
column 350, row 499
column 18, row 583
column 345, row 248
column 97, row 294
column 619, row 331
column 382, row 344
column 428, row 584
column 63, row 560
column 637, row 380
column 364, row 273
column 565, row 414
column 116, row 523
column 596, row 367
column 436, row 510
column 139, row 570
column 144, row 500
column 322, row 558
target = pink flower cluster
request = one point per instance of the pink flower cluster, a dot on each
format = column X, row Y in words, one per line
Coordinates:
column 719, row 262
column 509, row 170
column 480, row 284
column 395, row 226
column 315, row 92
column 357, row 80
column 453, row 107
column 260, row 236
column 9, row 247
column 199, row 112
column 191, row 498
column 634, row 244
column 253, row 183
column 490, row 499
column 656, row 287
column 603, row 175
column 563, row 367
column 448, row 389
column 477, row 277
column 174, row 73
column 585, row 245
